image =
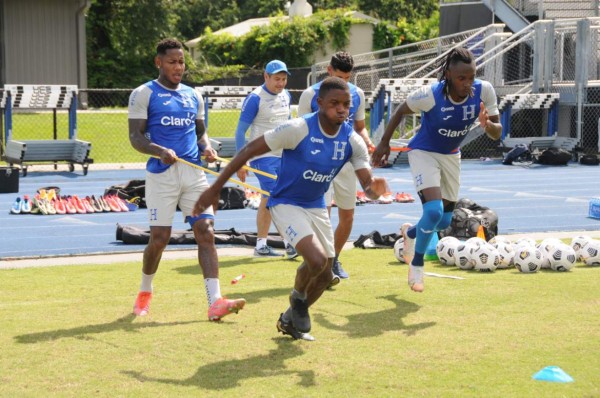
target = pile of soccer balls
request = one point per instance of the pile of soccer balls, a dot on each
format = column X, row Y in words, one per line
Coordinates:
column 524, row 254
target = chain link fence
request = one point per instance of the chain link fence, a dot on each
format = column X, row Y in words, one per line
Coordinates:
column 548, row 57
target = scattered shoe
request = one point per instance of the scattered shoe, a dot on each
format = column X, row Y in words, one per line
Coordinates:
column 339, row 271
column 26, row 204
column 409, row 244
column 87, row 205
column 114, row 206
column 291, row 252
column 300, row 316
column 16, row 206
column 69, row 207
column 142, row 303
column 403, row 197
column 40, row 205
column 288, row 328
column 415, row 278
column 223, row 307
column 104, row 204
column 386, row 198
column 59, row 206
column 95, row 204
column 266, row 251
column 78, row 204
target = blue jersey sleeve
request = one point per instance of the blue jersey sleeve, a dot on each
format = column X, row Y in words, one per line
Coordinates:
column 250, row 108
column 240, row 135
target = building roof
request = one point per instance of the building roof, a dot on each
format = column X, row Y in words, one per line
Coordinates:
column 240, row 29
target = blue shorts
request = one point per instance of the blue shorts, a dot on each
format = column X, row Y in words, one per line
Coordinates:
column 269, row 165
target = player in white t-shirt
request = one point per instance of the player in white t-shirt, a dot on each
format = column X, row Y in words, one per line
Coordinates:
column 343, row 189
column 448, row 109
column 166, row 120
column 265, row 108
column 315, row 148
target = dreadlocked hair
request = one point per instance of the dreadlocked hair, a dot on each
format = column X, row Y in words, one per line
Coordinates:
column 457, row 54
column 342, row 61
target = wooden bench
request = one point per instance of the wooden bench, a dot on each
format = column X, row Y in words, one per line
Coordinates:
column 49, row 151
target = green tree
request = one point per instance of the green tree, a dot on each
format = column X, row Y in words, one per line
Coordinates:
column 395, row 10
column 122, row 37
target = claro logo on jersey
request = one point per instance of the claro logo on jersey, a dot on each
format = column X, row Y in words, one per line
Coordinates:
column 453, row 133
column 318, row 177
column 177, row 121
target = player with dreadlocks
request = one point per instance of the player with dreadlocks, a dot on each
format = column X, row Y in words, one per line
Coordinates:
column 448, row 109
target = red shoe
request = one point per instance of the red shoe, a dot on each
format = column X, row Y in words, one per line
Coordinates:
column 121, row 203
column 59, row 206
column 87, row 205
column 223, row 307
column 142, row 303
column 114, row 206
column 68, row 205
column 78, row 204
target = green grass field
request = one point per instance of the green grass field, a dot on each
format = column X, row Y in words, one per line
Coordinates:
column 68, row 331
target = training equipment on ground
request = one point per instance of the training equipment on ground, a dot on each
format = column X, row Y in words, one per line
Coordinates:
column 445, row 250
column 528, row 259
column 590, row 253
column 578, row 242
column 546, row 247
column 562, row 257
column 506, row 253
column 399, row 250
column 498, row 239
column 524, row 241
column 485, row 258
column 462, row 256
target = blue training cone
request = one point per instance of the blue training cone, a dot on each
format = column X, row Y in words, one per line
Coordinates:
column 553, row 373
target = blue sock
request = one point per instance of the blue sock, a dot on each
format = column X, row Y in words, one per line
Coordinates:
column 445, row 222
column 432, row 215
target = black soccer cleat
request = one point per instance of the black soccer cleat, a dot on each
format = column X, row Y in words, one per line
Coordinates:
column 300, row 317
column 288, row 328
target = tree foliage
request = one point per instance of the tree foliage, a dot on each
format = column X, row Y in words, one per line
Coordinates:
column 122, row 34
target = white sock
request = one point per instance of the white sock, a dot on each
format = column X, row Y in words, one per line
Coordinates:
column 213, row 290
column 146, row 285
column 261, row 242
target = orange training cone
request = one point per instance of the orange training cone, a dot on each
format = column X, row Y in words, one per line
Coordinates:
column 481, row 233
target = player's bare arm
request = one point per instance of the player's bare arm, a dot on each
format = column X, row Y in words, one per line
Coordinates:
column 379, row 157
column 203, row 142
column 361, row 129
column 490, row 124
column 138, row 139
column 254, row 148
column 373, row 186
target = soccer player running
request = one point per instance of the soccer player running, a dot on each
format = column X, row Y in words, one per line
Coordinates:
column 264, row 109
column 166, row 120
column 343, row 189
column 315, row 148
column 448, row 109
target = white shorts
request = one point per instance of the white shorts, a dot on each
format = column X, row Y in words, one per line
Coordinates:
column 431, row 169
column 295, row 223
column 179, row 185
column 343, row 188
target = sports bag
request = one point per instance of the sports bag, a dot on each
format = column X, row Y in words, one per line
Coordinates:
column 466, row 219
column 129, row 191
column 520, row 153
column 590, row 160
column 232, row 198
column 554, row 157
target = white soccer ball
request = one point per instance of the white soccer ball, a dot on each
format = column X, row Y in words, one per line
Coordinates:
column 445, row 250
column 506, row 253
column 497, row 239
column 475, row 242
column 546, row 247
column 562, row 257
column 578, row 243
column 590, row 253
column 524, row 242
column 528, row 259
column 485, row 258
column 462, row 256
column 399, row 250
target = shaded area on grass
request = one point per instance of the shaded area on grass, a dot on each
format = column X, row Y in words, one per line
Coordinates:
column 229, row 373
